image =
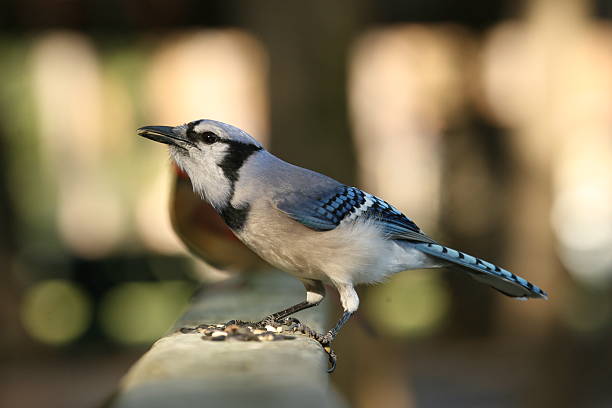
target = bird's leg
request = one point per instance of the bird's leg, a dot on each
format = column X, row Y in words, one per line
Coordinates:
column 328, row 337
column 275, row 317
column 350, row 303
column 315, row 292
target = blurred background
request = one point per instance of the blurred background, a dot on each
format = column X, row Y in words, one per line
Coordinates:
column 487, row 122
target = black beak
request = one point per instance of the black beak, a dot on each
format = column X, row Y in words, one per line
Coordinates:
column 163, row 134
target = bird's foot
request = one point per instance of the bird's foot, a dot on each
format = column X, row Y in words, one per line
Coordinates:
column 290, row 322
column 267, row 321
column 235, row 322
column 294, row 324
column 324, row 340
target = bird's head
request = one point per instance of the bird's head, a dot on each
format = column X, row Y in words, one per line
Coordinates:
column 210, row 152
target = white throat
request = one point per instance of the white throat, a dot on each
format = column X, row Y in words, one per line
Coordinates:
column 206, row 176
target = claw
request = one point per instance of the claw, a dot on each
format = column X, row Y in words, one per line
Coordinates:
column 325, row 342
column 325, row 339
column 294, row 324
column 332, row 359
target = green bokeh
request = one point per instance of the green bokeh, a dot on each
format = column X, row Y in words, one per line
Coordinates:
column 55, row 311
column 142, row 312
column 411, row 304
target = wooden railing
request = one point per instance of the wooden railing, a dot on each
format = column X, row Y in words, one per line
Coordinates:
column 185, row 370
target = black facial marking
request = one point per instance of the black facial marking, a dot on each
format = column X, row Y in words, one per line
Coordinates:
column 236, row 155
column 238, row 152
column 192, row 135
column 235, row 218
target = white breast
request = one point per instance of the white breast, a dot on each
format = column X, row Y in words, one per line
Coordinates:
column 351, row 253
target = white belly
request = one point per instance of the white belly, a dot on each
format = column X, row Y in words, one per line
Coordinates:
column 351, row 253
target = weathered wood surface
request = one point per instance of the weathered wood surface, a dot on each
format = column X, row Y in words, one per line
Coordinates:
column 182, row 370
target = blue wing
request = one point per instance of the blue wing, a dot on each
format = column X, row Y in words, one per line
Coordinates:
column 326, row 210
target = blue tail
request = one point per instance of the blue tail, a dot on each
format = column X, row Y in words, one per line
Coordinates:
column 500, row 279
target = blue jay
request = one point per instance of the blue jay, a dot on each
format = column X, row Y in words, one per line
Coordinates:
column 310, row 225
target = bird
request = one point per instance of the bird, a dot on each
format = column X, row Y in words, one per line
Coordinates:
column 312, row 226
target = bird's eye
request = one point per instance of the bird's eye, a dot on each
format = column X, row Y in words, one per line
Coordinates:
column 209, row 137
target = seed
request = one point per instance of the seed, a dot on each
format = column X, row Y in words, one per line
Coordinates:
column 232, row 328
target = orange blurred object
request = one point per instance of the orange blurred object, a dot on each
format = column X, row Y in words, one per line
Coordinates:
column 204, row 232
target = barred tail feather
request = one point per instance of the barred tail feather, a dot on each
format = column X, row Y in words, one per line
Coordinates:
column 485, row 272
